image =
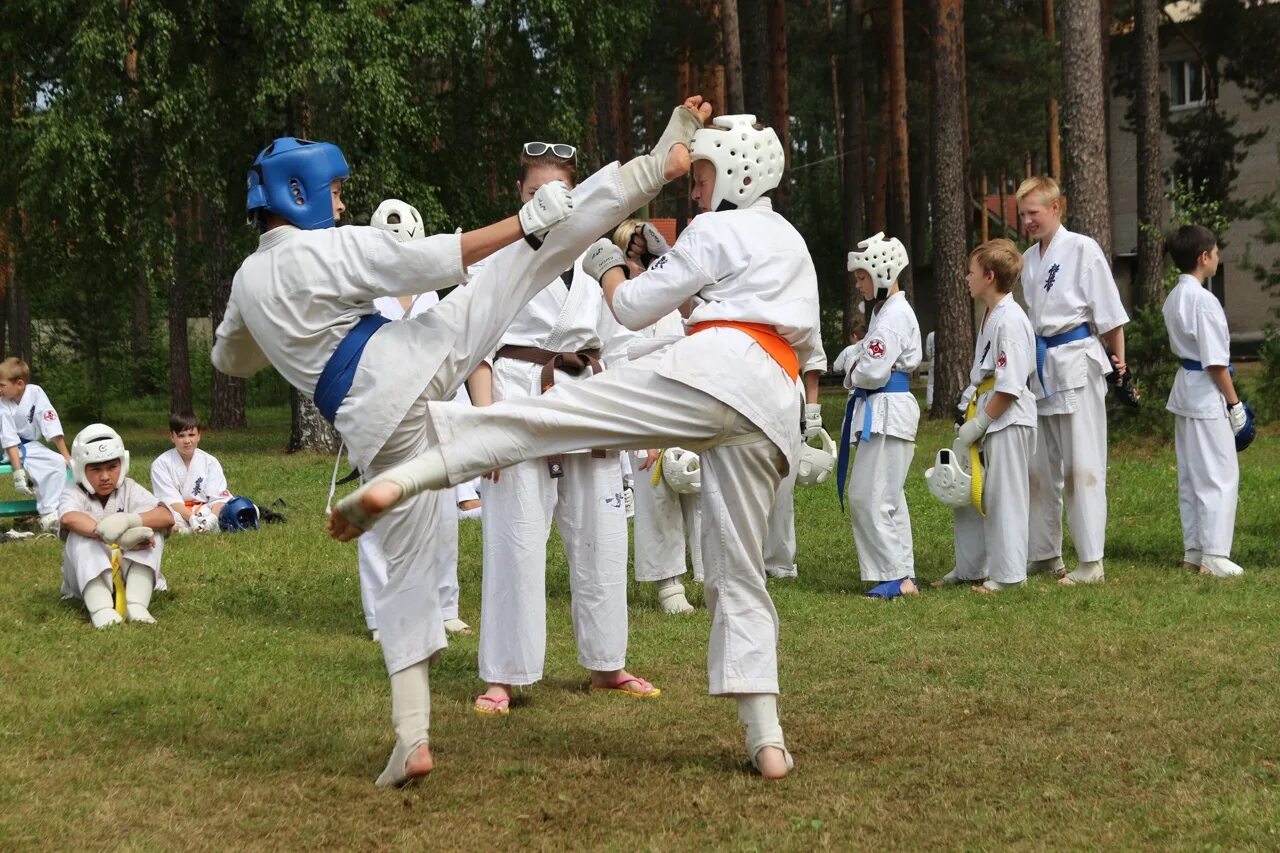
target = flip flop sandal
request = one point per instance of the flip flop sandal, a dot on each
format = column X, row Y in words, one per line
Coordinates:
column 621, row 685
column 497, row 706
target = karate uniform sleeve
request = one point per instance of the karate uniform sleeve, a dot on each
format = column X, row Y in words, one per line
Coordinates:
column 1012, row 364
column 1212, row 337
column 403, row 269
column 162, row 481
column 8, row 432
column 810, row 353
column 615, row 339
column 215, row 482
column 875, row 363
column 1103, row 295
column 665, row 286
column 235, row 352
column 71, row 500
column 50, row 423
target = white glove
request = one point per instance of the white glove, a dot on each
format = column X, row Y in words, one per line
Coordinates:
column 812, row 419
column 973, row 430
column 601, row 257
column 135, row 536
column 1235, row 414
column 22, row 483
column 114, row 526
column 550, row 205
column 654, row 243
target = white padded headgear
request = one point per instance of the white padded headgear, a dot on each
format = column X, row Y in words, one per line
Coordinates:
column 748, row 162
column 97, row 443
column 410, row 226
column 816, row 463
column 682, row 471
column 949, row 479
column 883, row 258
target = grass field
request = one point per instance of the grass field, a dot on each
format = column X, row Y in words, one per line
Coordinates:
column 255, row 714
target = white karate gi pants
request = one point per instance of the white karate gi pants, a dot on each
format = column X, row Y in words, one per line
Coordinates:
column 664, row 521
column 780, row 544
column 630, row 406
column 48, row 472
column 878, row 508
column 85, row 558
column 995, row 547
column 587, row 507
column 466, row 327
column 1071, row 456
column 1208, row 483
column 373, row 569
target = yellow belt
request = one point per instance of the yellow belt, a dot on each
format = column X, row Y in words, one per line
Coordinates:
column 117, row 582
column 975, row 460
column 657, row 470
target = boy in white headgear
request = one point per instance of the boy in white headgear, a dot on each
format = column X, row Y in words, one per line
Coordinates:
column 26, row 418
column 881, row 416
column 113, row 531
column 372, row 378
column 1074, row 307
column 999, row 432
column 728, row 390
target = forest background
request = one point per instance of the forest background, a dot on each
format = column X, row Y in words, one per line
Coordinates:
column 127, row 127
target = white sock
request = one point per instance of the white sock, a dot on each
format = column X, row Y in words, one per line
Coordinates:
column 1000, row 586
column 642, row 176
column 410, row 717
column 138, row 586
column 759, row 713
column 100, row 602
column 1192, row 556
column 1090, row 572
column 671, row 596
column 1051, row 565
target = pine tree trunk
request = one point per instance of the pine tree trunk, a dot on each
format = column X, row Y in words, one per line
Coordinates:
column 1085, row 122
column 713, row 72
column 179, row 349
column 1150, row 290
column 1055, row 131
column 753, row 24
column 622, row 117
column 228, row 391
column 308, row 430
column 901, row 152
column 955, row 337
column 732, row 58
column 855, row 144
column 20, row 307
column 6, row 274
column 780, row 98
column 140, row 291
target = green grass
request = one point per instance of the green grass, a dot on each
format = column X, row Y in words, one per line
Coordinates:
column 255, row 714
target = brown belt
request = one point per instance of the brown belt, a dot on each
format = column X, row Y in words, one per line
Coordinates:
column 570, row 362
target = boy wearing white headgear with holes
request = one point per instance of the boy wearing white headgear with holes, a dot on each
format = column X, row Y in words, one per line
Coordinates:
column 881, row 416
column 728, row 390
column 113, row 531
column 999, row 432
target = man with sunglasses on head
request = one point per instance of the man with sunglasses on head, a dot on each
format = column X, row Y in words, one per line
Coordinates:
column 372, row 379
column 565, row 334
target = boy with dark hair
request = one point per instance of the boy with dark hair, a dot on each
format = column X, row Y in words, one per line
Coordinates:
column 1208, row 413
column 188, row 480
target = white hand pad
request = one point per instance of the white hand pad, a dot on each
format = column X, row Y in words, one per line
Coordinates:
column 550, row 205
column 601, row 257
column 22, row 485
column 133, row 537
column 114, row 526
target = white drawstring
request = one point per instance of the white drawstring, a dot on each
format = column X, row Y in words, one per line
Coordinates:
column 333, row 481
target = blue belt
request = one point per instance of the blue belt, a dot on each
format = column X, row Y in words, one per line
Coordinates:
column 1044, row 344
column 1192, row 364
column 899, row 383
column 338, row 374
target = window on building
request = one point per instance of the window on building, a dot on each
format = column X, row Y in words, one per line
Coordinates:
column 1186, row 84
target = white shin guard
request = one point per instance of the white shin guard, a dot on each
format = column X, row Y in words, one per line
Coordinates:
column 100, row 602
column 413, row 477
column 759, row 713
column 411, row 719
column 672, row 598
column 643, row 175
column 138, row 587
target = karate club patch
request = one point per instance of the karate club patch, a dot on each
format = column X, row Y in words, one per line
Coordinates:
column 1001, row 361
column 51, row 415
column 876, row 348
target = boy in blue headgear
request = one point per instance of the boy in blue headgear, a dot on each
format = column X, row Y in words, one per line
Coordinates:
column 372, row 379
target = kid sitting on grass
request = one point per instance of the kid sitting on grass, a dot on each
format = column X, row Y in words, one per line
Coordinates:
column 26, row 417
column 113, row 529
column 189, row 481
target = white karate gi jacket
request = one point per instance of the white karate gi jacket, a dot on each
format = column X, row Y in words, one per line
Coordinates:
column 174, row 482
column 32, row 418
column 1005, row 349
column 1198, row 331
column 892, row 345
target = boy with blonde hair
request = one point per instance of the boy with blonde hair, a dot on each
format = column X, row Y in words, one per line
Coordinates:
column 26, row 417
column 1074, row 308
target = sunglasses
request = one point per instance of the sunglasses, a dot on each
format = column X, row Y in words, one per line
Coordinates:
column 559, row 149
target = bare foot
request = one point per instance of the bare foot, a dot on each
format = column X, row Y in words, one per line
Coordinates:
column 374, row 499
column 419, row 763
column 909, row 587
column 771, row 762
column 678, row 161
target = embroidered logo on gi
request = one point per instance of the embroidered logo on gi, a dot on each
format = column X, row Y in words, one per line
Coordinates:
column 31, row 415
column 876, row 348
column 51, row 415
column 614, row 500
column 659, row 263
column 195, row 490
column 1001, row 361
column 1053, row 274
column 985, row 351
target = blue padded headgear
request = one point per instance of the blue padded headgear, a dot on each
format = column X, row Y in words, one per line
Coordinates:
column 238, row 514
column 1245, row 437
column 291, row 179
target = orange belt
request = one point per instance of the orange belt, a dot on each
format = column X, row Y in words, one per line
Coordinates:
column 766, row 336
column 191, row 504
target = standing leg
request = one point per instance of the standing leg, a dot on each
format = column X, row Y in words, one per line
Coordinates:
column 1188, row 506
column 874, row 498
column 659, row 540
column 1007, row 486
column 373, row 577
column 691, row 508
column 445, row 542
column 1084, row 462
column 780, row 544
column 1044, row 538
column 1217, row 490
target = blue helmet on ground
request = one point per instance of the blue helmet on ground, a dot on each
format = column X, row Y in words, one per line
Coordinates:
column 1244, row 437
column 238, row 514
column 291, row 179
